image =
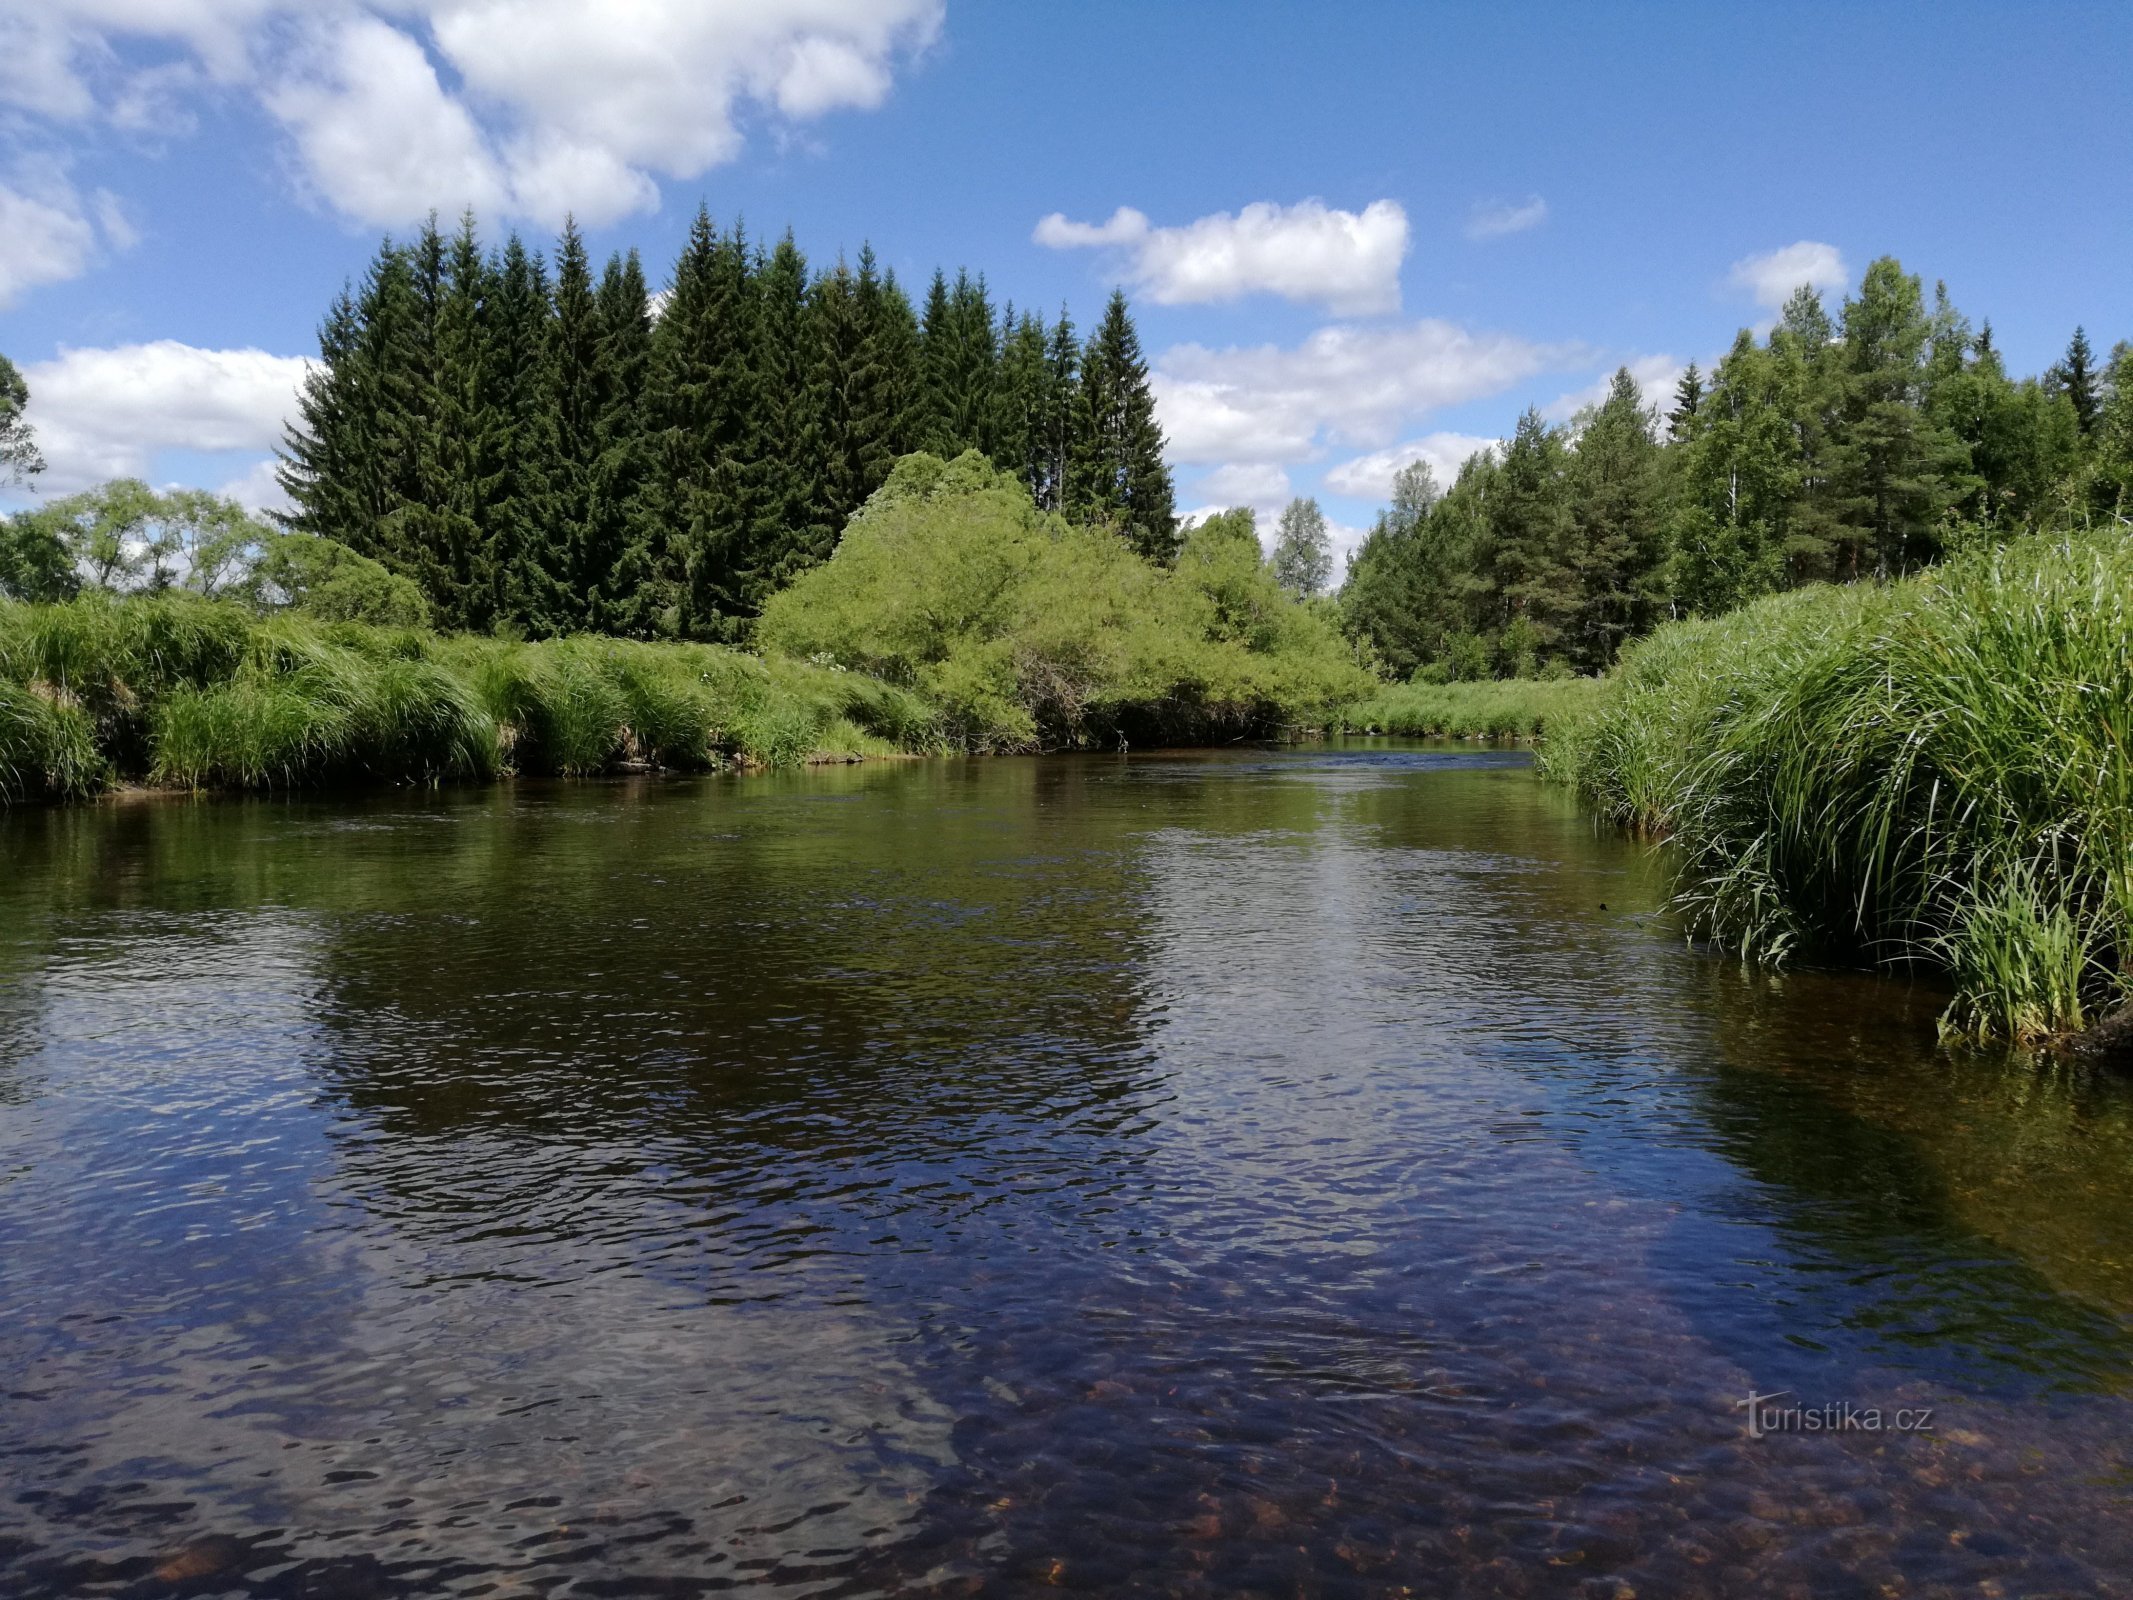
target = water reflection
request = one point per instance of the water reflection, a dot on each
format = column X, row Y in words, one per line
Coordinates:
column 1203, row 1174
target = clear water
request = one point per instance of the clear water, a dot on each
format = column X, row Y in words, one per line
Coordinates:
column 1320, row 1172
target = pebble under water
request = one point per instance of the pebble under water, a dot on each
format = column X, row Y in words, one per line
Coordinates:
column 1320, row 1172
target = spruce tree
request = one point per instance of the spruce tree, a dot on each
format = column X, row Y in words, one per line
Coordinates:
column 892, row 330
column 1529, row 517
column 790, row 525
column 933, row 407
column 1616, row 554
column 528, row 557
column 1062, row 407
column 2075, row 377
column 1116, row 475
column 618, row 600
column 1022, row 403
column 1890, row 462
column 578, row 352
column 1688, row 400
column 326, row 462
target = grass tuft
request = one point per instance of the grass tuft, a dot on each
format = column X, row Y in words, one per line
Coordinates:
column 1929, row 771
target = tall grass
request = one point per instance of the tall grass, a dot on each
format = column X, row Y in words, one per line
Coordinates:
column 187, row 693
column 1932, row 771
column 1519, row 708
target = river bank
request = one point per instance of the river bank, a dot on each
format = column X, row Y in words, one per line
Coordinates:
column 1932, row 772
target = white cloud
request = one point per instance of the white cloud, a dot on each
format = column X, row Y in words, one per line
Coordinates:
column 378, row 134
column 1655, row 375
column 1246, row 483
column 106, row 413
column 1370, row 477
column 258, row 488
column 1492, row 219
column 1343, row 384
column 531, row 107
column 1772, row 276
column 1348, row 261
column 51, row 232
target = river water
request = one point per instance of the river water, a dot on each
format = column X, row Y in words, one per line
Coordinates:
column 1318, row 1172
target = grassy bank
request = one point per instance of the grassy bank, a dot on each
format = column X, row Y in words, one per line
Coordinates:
column 1517, row 708
column 197, row 694
column 1931, row 771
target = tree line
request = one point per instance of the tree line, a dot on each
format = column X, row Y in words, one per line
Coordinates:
column 545, row 449
column 1862, row 445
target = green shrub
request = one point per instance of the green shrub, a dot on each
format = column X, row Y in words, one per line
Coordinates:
column 1027, row 632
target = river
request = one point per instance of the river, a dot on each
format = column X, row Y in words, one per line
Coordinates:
column 1320, row 1171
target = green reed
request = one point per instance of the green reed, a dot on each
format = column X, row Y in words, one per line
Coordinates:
column 1511, row 708
column 1930, row 771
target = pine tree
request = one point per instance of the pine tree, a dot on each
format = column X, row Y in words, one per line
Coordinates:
column 1116, row 474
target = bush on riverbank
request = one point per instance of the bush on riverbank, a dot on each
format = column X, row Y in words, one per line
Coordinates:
column 1497, row 708
column 1030, row 632
column 1935, row 770
column 176, row 690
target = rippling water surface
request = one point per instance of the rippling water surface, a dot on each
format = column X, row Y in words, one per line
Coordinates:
column 1320, row 1172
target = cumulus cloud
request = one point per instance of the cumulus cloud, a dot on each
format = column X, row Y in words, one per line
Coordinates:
column 1492, row 219
column 1655, row 375
column 1370, row 477
column 532, row 107
column 1246, row 483
column 50, row 231
column 1343, row 384
column 106, row 413
column 1772, row 276
column 1348, row 261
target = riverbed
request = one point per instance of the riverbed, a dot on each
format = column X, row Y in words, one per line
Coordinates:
column 1321, row 1171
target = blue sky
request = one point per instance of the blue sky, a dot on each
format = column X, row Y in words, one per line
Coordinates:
column 1355, row 234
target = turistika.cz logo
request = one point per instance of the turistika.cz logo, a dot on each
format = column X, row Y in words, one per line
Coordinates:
column 1836, row 1416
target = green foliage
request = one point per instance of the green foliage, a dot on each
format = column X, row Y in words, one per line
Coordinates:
column 1303, row 550
column 1504, row 709
column 545, row 456
column 329, row 581
column 1861, row 446
column 47, row 744
column 1930, row 770
column 176, row 690
column 1028, row 631
column 19, row 456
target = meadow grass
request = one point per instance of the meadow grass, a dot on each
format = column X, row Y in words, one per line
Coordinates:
column 1932, row 771
column 1516, row 708
column 175, row 691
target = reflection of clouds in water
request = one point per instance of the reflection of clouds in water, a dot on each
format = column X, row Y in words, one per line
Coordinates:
column 204, row 1236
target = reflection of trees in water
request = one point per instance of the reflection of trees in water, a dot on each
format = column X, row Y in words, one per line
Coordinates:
column 1964, row 1214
